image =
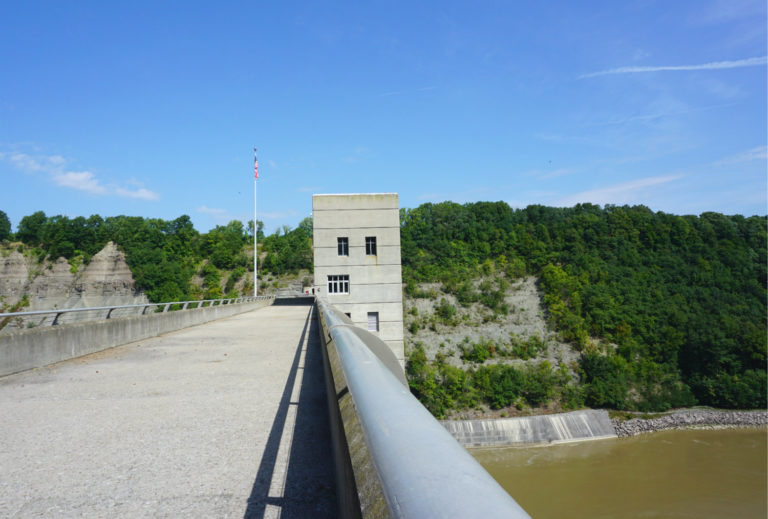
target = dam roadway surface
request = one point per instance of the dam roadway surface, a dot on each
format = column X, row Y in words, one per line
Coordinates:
column 225, row 419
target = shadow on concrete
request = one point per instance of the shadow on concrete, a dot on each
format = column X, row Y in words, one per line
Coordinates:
column 310, row 488
column 294, row 301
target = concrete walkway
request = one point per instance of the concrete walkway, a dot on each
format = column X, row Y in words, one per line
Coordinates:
column 226, row 419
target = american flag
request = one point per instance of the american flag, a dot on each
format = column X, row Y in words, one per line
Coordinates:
column 255, row 167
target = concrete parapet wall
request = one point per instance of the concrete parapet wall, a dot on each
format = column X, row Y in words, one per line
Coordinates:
column 553, row 428
column 393, row 458
column 38, row 347
column 357, row 484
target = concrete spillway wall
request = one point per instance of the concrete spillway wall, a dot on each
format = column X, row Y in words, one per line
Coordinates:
column 38, row 347
column 554, row 428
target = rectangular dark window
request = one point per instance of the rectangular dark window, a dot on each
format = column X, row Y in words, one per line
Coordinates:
column 370, row 245
column 343, row 246
column 338, row 284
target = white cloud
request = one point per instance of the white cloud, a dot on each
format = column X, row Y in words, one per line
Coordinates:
column 756, row 153
column 80, row 180
column 26, row 162
column 54, row 166
column 211, row 211
column 715, row 65
column 140, row 193
column 277, row 215
column 627, row 192
column 721, row 11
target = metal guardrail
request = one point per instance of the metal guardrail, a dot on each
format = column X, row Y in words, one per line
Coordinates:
column 144, row 307
column 424, row 472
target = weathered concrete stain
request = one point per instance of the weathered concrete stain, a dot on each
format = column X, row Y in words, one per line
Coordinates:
column 555, row 428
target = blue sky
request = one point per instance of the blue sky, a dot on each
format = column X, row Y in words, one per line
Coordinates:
column 153, row 108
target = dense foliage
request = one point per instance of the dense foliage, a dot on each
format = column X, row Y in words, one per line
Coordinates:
column 162, row 255
column 289, row 251
column 678, row 302
column 5, row 226
column 666, row 310
column 440, row 386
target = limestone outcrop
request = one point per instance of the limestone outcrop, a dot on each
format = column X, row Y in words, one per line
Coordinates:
column 106, row 280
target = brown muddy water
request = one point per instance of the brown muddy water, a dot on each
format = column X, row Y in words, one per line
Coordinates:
column 699, row 474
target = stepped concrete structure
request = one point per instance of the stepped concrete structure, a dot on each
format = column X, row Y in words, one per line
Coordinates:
column 357, row 261
column 588, row 424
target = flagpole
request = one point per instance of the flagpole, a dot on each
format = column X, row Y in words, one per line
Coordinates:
column 255, row 227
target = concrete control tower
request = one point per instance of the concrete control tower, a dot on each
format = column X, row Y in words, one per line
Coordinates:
column 357, row 261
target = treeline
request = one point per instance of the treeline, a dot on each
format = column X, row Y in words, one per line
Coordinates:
column 677, row 303
column 666, row 310
column 288, row 250
column 164, row 255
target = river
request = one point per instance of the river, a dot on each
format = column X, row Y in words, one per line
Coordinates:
column 699, row 474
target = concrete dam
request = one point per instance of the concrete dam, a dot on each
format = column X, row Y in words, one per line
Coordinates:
column 555, row 428
column 252, row 409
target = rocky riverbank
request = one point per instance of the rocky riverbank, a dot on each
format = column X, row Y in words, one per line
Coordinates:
column 690, row 418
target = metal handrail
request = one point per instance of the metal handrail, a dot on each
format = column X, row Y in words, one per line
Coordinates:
column 424, row 471
column 200, row 304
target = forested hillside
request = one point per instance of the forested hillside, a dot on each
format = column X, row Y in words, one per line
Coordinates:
column 666, row 310
column 663, row 310
column 165, row 255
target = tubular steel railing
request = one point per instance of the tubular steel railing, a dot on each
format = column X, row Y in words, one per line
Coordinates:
column 185, row 305
column 424, row 472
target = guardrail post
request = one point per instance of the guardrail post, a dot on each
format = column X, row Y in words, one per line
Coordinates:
column 165, row 309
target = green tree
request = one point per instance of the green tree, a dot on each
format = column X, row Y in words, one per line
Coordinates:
column 5, row 226
column 30, row 227
column 682, row 298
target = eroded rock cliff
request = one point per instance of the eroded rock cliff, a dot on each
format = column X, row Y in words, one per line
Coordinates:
column 106, row 280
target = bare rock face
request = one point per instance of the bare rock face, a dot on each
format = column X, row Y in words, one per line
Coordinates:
column 106, row 275
column 53, row 281
column 14, row 275
column 105, row 281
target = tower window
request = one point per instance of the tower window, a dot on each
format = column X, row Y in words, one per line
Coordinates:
column 343, row 246
column 338, row 284
column 370, row 245
column 373, row 321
